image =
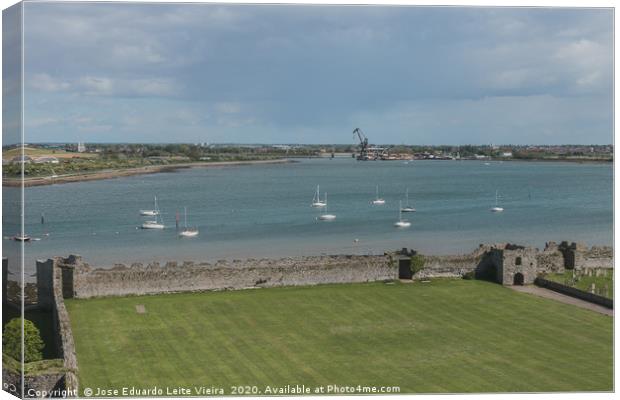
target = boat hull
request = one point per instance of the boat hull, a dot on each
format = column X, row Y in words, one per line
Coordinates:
column 149, row 213
column 188, row 233
column 497, row 209
column 152, row 226
column 327, row 217
column 402, row 224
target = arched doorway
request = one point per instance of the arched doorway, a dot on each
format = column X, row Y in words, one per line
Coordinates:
column 518, row 279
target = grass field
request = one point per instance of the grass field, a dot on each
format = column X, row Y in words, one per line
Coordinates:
column 604, row 284
column 443, row 336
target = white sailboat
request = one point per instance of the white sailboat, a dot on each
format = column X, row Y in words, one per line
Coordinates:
column 378, row 201
column 496, row 208
column 401, row 223
column 158, row 223
column 407, row 207
column 150, row 213
column 327, row 216
column 316, row 200
column 188, row 232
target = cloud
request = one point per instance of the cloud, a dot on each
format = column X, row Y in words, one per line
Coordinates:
column 306, row 70
column 104, row 86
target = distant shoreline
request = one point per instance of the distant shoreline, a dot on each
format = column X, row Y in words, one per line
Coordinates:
column 118, row 173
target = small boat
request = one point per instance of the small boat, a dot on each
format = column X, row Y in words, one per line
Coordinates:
column 150, row 213
column 327, row 216
column 22, row 238
column 378, row 201
column 316, row 200
column 152, row 225
column 401, row 223
column 407, row 207
column 188, row 232
column 497, row 208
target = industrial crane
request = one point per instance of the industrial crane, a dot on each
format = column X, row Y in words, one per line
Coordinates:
column 367, row 152
column 363, row 155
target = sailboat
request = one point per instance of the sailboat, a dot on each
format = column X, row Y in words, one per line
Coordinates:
column 327, row 216
column 407, row 207
column 378, row 201
column 150, row 213
column 316, row 200
column 188, row 232
column 496, row 208
column 158, row 223
column 401, row 223
column 22, row 237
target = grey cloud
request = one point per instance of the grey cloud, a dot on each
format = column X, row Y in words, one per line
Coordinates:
column 279, row 69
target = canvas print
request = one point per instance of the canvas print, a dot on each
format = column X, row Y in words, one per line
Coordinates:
column 205, row 199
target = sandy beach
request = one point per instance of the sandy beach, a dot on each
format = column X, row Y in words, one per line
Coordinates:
column 117, row 173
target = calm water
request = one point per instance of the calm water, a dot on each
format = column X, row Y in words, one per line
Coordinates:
column 264, row 211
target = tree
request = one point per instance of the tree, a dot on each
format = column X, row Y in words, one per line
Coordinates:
column 12, row 340
column 417, row 263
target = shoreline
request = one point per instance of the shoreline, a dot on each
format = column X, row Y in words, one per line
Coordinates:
column 119, row 173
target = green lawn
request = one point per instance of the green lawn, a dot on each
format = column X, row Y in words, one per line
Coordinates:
column 443, row 336
column 604, row 284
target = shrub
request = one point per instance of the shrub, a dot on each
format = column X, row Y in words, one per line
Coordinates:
column 469, row 275
column 12, row 340
column 417, row 263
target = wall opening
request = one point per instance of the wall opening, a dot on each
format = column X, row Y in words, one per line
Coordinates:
column 404, row 268
column 518, row 261
column 518, row 279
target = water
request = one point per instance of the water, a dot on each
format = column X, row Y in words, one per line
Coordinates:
column 264, row 210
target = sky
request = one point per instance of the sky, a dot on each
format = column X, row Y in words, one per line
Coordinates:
column 311, row 74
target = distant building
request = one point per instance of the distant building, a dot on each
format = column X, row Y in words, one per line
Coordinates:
column 46, row 160
column 507, row 154
column 21, row 159
column 81, row 148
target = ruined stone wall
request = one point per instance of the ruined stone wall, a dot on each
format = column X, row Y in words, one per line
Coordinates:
column 50, row 296
column 67, row 344
column 595, row 257
column 139, row 279
column 455, row 266
column 45, row 284
column 550, row 260
column 579, row 256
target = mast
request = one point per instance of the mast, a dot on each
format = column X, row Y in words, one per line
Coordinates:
column 185, row 210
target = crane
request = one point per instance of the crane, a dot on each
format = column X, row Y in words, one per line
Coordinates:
column 363, row 155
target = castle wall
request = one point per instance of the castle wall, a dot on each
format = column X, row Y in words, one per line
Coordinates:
column 455, row 266
column 139, row 279
column 50, row 297
column 45, row 284
column 579, row 256
column 595, row 257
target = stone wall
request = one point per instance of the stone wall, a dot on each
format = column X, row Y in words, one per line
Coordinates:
column 50, row 296
column 579, row 256
column 455, row 266
column 139, row 279
column 36, row 385
column 503, row 261
column 67, row 344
